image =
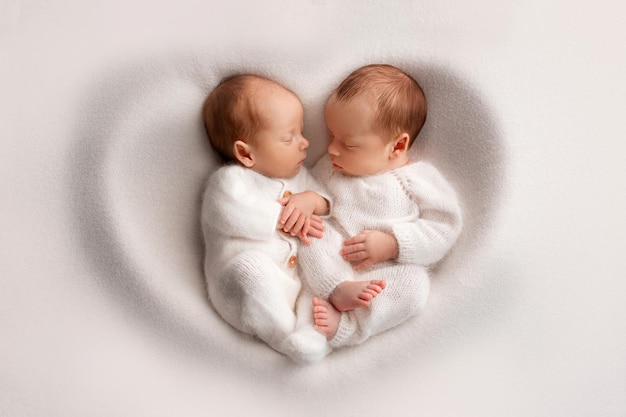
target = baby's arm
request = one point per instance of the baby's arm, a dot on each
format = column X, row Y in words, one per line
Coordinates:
column 369, row 247
column 300, row 216
column 423, row 241
column 239, row 207
column 427, row 240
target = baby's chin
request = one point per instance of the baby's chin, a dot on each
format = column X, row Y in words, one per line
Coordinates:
column 347, row 173
column 284, row 174
column 341, row 170
column 291, row 174
column 295, row 171
column 365, row 173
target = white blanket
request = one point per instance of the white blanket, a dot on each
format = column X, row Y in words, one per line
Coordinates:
column 103, row 309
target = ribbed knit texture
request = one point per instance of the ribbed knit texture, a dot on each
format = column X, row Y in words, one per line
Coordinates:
column 417, row 206
column 247, row 264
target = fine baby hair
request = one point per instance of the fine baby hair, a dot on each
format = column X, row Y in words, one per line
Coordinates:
column 400, row 103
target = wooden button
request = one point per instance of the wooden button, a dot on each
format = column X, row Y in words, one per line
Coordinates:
column 292, row 262
column 287, row 194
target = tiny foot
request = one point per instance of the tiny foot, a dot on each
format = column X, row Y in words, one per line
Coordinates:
column 306, row 345
column 350, row 295
column 325, row 317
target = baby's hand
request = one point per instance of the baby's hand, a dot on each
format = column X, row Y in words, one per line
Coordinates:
column 316, row 228
column 369, row 248
column 297, row 217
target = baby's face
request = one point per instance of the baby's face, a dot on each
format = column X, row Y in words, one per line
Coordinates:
column 354, row 148
column 280, row 147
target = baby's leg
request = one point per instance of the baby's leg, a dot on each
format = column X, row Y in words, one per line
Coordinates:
column 321, row 265
column 255, row 296
column 349, row 295
column 307, row 343
column 404, row 296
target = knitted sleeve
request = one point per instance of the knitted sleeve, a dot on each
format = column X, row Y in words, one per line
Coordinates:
column 427, row 239
column 236, row 205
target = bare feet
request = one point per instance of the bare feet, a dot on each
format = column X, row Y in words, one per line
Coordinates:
column 326, row 317
column 349, row 295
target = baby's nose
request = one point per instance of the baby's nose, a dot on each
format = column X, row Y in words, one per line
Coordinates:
column 332, row 149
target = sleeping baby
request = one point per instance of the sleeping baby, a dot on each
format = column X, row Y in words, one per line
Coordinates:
column 256, row 208
column 391, row 217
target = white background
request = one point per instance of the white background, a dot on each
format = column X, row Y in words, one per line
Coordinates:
column 547, row 336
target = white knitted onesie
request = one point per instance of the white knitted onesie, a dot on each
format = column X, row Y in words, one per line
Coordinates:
column 250, row 267
column 415, row 204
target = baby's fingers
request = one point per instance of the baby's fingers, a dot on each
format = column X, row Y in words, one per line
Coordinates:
column 353, row 248
column 304, row 239
column 316, row 219
column 363, row 265
column 295, row 224
column 316, row 233
column 286, row 214
column 305, row 227
column 360, row 238
column 304, row 236
column 294, row 218
column 356, row 255
column 316, row 223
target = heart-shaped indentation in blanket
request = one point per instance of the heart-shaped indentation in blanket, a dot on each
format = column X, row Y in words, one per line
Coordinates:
column 142, row 157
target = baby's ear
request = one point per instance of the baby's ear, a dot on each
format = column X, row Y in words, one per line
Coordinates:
column 400, row 145
column 243, row 153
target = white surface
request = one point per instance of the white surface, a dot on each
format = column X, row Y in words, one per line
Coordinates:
column 101, row 307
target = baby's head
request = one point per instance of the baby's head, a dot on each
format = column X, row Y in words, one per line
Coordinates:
column 373, row 118
column 258, row 123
